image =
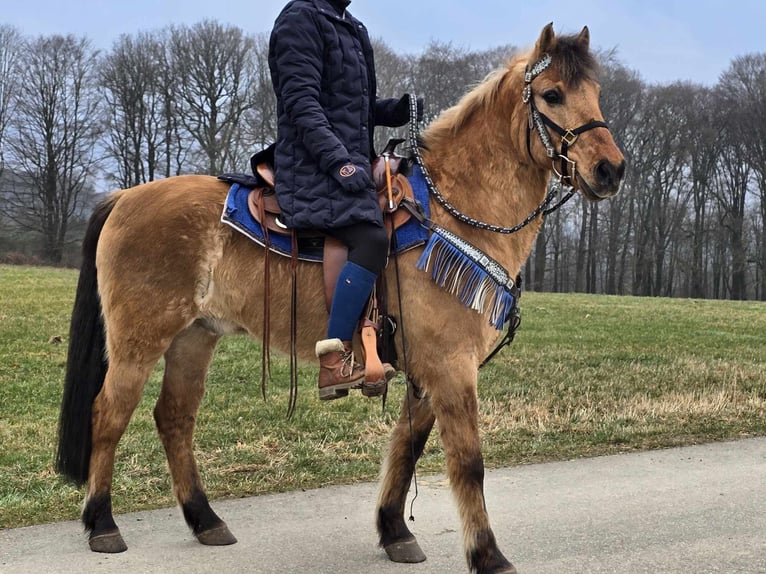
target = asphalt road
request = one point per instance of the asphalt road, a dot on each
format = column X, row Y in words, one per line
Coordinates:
column 699, row 509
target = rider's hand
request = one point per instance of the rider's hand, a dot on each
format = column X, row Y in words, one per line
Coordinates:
column 352, row 178
column 402, row 110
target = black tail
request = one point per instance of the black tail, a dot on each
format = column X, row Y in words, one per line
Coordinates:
column 86, row 359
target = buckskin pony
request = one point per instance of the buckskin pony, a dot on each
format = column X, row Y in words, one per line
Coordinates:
column 162, row 277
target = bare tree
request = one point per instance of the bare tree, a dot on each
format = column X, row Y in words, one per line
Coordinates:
column 742, row 89
column 394, row 76
column 53, row 137
column 131, row 80
column 623, row 95
column 732, row 178
column 260, row 120
column 703, row 154
column 10, row 55
column 662, row 194
column 214, row 90
column 443, row 73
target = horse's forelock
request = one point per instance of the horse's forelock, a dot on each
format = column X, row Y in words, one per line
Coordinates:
column 573, row 60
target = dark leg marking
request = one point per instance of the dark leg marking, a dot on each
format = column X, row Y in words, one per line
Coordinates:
column 205, row 524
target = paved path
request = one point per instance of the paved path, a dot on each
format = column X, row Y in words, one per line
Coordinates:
column 698, row 510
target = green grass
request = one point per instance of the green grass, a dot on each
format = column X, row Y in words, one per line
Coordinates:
column 587, row 375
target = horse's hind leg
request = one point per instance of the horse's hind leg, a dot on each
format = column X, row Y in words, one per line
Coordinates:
column 112, row 409
column 186, row 364
column 407, row 444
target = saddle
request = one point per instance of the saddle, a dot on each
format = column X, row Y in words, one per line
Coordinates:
column 388, row 175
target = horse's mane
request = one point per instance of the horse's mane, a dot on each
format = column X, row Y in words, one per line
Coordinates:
column 570, row 58
column 482, row 96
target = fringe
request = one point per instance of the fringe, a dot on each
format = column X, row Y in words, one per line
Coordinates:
column 476, row 279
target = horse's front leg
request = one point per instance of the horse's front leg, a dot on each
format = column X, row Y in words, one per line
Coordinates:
column 455, row 405
column 407, row 444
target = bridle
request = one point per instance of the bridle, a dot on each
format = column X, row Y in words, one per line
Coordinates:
column 538, row 121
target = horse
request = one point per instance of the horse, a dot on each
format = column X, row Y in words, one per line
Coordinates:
column 163, row 277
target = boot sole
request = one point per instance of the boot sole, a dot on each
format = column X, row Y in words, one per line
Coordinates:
column 338, row 391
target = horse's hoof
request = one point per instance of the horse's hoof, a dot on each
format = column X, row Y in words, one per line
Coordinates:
column 405, row 552
column 216, row 536
column 110, row 542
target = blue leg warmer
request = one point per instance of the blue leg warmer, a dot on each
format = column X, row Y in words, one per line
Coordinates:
column 352, row 291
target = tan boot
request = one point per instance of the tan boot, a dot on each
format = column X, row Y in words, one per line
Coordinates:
column 338, row 372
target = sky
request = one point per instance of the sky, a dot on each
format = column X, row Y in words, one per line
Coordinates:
column 663, row 40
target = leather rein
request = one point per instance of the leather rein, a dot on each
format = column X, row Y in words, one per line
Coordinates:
column 539, row 122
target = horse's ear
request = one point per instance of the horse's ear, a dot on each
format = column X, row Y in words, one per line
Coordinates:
column 545, row 41
column 583, row 38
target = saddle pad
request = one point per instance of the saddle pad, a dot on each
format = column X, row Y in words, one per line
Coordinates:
column 237, row 215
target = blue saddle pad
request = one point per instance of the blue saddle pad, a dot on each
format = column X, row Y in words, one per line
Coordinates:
column 237, row 214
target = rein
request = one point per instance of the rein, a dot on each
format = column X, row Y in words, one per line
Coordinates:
column 537, row 121
column 544, row 207
column 454, row 211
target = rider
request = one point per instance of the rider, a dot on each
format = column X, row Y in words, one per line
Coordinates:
column 323, row 73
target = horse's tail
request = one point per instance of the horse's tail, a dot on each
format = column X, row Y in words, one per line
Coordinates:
column 86, row 359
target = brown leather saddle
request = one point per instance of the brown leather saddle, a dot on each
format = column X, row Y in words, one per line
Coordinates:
column 263, row 205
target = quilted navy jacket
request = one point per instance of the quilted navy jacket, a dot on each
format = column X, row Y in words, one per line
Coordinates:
column 323, row 73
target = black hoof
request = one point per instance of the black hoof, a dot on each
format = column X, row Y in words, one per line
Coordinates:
column 216, row 536
column 405, row 552
column 110, row 542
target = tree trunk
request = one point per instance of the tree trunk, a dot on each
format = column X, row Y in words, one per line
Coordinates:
column 540, row 260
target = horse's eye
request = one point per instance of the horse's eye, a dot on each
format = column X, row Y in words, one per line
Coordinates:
column 552, row 97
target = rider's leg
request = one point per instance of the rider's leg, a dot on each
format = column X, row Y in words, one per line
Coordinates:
column 367, row 251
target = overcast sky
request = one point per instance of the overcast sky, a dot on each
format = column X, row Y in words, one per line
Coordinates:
column 664, row 40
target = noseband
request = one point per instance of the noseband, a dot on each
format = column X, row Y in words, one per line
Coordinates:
column 538, row 121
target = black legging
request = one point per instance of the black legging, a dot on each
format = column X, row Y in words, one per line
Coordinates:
column 367, row 244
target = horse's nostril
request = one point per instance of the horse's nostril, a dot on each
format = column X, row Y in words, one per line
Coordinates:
column 607, row 174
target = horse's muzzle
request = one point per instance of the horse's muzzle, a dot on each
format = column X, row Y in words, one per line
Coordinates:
column 606, row 178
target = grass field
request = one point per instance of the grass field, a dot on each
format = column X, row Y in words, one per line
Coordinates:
column 587, row 375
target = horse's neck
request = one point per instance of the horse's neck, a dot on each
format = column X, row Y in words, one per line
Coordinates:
column 481, row 173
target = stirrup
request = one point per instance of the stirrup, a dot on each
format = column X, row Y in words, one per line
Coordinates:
column 376, row 373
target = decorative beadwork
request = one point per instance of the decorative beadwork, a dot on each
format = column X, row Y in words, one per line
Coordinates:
column 480, row 282
column 456, row 213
